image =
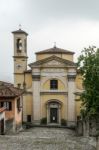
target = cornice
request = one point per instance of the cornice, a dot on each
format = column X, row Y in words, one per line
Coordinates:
column 20, row 57
column 53, row 93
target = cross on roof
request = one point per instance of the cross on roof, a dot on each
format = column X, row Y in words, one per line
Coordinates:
column 54, row 44
column 20, row 26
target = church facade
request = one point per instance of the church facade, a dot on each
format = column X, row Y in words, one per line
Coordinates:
column 52, row 84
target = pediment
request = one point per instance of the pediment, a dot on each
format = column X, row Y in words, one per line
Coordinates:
column 52, row 62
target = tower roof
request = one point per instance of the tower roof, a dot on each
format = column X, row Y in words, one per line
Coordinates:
column 55, row 50
column 20, row 32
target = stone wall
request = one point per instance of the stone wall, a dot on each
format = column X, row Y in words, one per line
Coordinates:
column 9, row 126
column 88, row 127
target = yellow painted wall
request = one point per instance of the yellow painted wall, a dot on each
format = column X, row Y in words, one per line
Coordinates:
column 79, row 82
column 46, row 85
column 18, row 78
column 29, row 104
column 28, row 80
column 10, row 114
column 78, row 105
column 23, row 65
column 18, row 114
column 44, row 100
column 64, row 56
column 79, row 86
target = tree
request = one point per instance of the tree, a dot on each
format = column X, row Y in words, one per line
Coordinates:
column 88, row 64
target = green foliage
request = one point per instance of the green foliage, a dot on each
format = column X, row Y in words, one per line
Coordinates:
column 63, row 122
column 88, row 64
column 44, row 120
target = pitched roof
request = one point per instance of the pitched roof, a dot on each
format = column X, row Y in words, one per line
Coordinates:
column 8, row 90
column 6, row 83
column 55, row 50
column 20, row 31
column 67, row 62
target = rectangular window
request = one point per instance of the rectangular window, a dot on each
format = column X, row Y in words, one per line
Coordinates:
column 18, row 104
column 28, row 118
column 7, row 105
column 1, row 104
column 53, row 84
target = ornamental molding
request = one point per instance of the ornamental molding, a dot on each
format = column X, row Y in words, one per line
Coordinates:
column 53, row 63
column 53, row 93
column 53, row 70
column 35, row 77
column 71, row 77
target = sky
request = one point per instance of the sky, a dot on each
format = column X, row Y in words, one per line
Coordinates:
column 72, row 24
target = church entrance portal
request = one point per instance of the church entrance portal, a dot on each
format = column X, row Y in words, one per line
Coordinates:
column 54, row 111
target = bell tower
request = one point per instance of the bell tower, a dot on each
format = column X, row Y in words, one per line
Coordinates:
column 20, row 57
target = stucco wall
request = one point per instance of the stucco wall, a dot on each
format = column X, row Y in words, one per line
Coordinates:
column 10, row 114
column 27, row 106
column 2, row 115
column 62, row 98
column 79, row 82
column 46, row 85
column 64, row 56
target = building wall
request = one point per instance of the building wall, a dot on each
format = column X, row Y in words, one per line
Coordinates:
column 2, row 116
column 18, row 113
column 38, row 91
column 61, row 98
column 64, row 56
column 18, row 79
column 78, row 105
column 79, row 90
column 10, row 114
column 79, row 82
column 46, row 85
column 20, row 64
column 27, row 106
column 28, row 80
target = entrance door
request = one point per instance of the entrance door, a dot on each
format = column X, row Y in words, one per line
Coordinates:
column 53, row 115
column 2, row 126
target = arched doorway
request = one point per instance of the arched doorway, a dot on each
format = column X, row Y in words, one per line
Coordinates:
column 54, row 112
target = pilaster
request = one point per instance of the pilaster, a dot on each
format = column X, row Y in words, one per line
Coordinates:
column 71, row 118
column 36, row 99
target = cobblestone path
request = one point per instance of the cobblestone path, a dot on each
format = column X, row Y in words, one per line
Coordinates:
column 46, row 139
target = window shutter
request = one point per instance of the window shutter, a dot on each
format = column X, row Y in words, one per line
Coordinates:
column 10, row 105
column 2, row 104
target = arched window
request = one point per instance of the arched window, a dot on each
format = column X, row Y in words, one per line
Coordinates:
column 53, row 84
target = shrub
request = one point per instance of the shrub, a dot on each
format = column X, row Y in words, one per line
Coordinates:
column 63, row 122
column 44, row 120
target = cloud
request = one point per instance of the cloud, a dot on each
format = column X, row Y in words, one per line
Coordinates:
column 73, row 24
column 63, row 8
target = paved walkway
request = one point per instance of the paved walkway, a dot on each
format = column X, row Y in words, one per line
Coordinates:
column 46, row 139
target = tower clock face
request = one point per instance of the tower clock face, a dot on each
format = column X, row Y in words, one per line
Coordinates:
column 19, row 66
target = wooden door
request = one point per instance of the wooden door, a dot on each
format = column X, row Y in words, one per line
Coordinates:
column 53, row 115
column 2, row 126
